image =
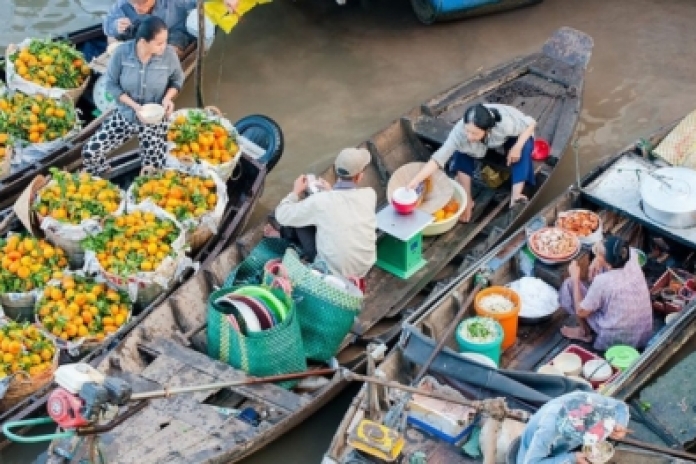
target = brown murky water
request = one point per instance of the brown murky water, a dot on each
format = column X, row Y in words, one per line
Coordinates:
column 332, row 76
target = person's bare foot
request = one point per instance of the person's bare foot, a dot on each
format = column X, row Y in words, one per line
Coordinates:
column 466, row 214
column 270, row 232
column 576, row 333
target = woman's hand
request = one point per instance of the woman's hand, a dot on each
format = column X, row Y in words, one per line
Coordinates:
column 514, row 154
column 137, row 108
column 574, row 270
column 300, row 185
column 580, row 458
column 413, row 185
column 122, row 24
column 597, row 266
column 168, row 105
column 619, row 432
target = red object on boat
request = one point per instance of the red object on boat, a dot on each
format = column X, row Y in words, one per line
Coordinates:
column 64, row 408
column 542, row 149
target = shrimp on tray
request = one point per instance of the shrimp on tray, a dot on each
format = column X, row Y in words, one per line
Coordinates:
column 580, row 222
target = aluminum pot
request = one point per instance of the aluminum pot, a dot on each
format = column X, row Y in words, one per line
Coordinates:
column 669, row 196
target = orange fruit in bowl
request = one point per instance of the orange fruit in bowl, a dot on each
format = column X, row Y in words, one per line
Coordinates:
column 439, row 215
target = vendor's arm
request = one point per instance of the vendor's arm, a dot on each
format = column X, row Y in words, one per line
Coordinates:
column 593, row 298
column 521, row 126
column 454, row 142
column 176, row 81
column 539, row 450
column 295, row 213
column 114, row 20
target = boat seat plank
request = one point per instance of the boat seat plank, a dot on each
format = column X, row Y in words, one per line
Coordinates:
column 162, row 369
column 268, row 393
column 129, row 434
column 202, row 416
column 188, row 376
column 165, row 444
column 387, row 294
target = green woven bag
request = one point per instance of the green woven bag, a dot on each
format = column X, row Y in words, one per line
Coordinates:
column 326, row 313
column 275, row 351
column 250, row 270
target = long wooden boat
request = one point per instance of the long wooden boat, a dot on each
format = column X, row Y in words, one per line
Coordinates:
column 538, row 343
column 547, row 85
column 69, row 151
column 244, row 188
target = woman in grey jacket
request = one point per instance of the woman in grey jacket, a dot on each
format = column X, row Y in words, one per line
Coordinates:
column 143, row 70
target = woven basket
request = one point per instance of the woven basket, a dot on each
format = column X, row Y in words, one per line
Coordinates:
column 274, row 351
column 223, row 170
column 22, row 387
column 17, row 82
column 18, row 306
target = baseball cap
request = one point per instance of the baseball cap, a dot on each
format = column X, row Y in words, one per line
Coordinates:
column 351, row 161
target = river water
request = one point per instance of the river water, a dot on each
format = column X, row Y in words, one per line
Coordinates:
column 333, row 75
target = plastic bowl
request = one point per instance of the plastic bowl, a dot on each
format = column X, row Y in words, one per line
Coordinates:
column 600, row 453
column 269, row 299
column 152, row 113
column 404, row 200
column 599, row 369
column 548, row 369
column 542, row 150
column 440, row 227
column 568, row 363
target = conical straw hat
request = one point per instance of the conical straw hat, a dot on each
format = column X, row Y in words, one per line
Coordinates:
column 438, row 192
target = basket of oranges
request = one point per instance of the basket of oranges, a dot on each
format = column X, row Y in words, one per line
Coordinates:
column 28, row 359
column 48, row 67
column 27, row 264
column 80, row 312
column 446, row 218
column 141, row 252
column 203, row 137
column 71, row 206
column 5, row 144
column 197, row 201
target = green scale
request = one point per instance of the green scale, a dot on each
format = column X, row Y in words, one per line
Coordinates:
column 400, row 250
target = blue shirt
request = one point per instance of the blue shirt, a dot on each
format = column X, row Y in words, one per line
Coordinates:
column 172, row 12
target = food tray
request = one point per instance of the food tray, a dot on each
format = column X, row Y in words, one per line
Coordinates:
column 586, row 356
column 588, row 239
column 667, row 280
column 557, row 258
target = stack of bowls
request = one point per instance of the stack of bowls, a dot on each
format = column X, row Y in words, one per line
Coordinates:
column 253, row 309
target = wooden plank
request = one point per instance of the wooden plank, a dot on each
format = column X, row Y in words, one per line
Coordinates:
column 267, row 393
column 420, row 152
column 188, row 376
column 138, row 428
column 378, row 162
column 434, row 130
column 162, row 369
column 169, row 442
column 202, row 416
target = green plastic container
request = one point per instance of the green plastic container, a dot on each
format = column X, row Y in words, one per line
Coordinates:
column 621, row 356
column 491, row 350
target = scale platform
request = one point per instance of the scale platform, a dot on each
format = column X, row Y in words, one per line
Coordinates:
column 400, row 250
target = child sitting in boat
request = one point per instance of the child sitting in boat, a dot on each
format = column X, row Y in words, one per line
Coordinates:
column 336, row 225
column 615, row 308
column 556, row 433
column 483, row 127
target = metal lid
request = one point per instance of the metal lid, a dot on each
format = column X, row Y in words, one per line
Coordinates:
column 671, row 190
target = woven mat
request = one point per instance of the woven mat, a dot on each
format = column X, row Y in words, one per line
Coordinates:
column 679, row 147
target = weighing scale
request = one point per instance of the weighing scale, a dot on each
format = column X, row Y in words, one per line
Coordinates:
column 400, row 250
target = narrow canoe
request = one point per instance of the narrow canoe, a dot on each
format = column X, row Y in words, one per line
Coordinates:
column 538, row 343
column 546, row 85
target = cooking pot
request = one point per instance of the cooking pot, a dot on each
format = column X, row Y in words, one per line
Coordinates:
column 669, row 196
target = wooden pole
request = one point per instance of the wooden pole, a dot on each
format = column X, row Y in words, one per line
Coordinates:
column 200, row 52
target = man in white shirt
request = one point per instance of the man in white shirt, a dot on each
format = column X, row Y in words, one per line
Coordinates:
column 344, row 216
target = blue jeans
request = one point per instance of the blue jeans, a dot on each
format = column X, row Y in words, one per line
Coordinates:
column 522, row 170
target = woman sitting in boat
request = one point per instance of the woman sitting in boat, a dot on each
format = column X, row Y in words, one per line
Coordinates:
column 615, row 308
column 144, row 70
column 557, row 431
column 486, row 126
column 341, row 219
column 124, row 15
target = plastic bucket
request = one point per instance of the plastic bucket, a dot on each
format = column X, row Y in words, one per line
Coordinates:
column 621, row 356
column 490, row 349
column 507, row 320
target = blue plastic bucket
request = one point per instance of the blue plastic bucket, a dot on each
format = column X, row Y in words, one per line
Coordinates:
column 491, row 350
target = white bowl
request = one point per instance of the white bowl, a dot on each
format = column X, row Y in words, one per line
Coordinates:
column 151, row 113
column 548, row 369
column 600, row 453
column 440, row 227
column 568, row 363
column 405, row 196
column 599, row 374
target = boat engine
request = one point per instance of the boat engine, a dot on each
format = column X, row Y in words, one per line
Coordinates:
column 82, row 394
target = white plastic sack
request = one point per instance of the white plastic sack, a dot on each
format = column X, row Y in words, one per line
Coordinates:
column 170, row 269
column 192, row 27
column 211, row 220
column 538, row 298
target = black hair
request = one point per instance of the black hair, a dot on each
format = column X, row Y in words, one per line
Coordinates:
column 148, row 28
column 481, row 117
column 616, row 252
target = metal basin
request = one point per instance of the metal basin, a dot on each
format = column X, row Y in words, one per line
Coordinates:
column 669, row 196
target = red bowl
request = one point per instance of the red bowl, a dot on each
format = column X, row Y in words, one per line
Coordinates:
column 402, row 207
column 542, row 149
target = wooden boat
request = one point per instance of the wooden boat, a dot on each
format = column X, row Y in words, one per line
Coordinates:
column 539, row 342
column 70, row 150
column 548, row 85
column 244, row 190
